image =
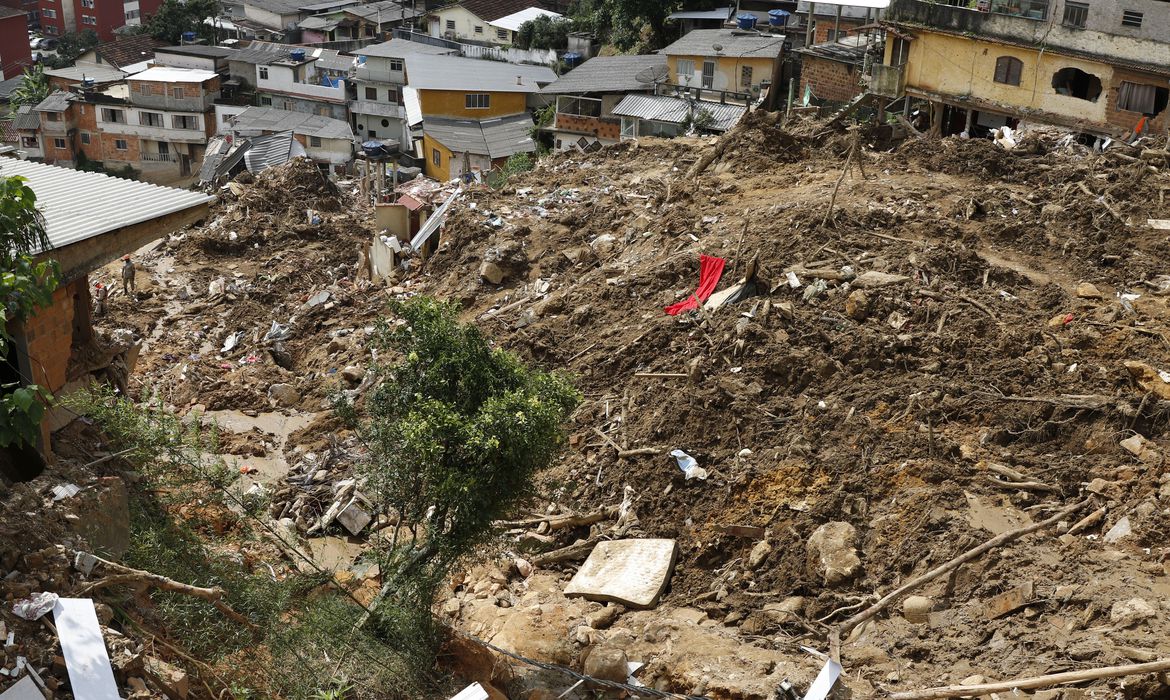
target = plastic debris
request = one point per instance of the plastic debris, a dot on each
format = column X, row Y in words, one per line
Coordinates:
column 232, row 341
column 278, row 332
column 689, row 465
column 35, row 606
column 63, row 491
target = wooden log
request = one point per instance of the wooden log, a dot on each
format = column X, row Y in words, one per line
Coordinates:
column 982, row 689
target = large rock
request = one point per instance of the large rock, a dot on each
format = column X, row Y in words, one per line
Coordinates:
column 607, row 663
column 284, row 394
column 503, row 261
column 1127, row 613
column 832, row 553
column 759, row 554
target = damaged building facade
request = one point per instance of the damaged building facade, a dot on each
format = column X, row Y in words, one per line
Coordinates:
column 1101, row 68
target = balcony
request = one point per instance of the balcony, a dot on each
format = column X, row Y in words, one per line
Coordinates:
column 995, row 17
column 887, row 81
column 159, row 157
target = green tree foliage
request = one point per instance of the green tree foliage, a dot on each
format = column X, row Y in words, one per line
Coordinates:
column 630, row 24
column 70, row 46
column 456, row 432
column 33, row 88
column 177, row 16
column 25, row 285
column 544, row 32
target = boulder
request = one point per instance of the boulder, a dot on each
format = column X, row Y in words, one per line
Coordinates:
column 916, row 609
column 832, row 553
column 353, row 374
column 284, row 394
column 759, row 554
column 608, row 664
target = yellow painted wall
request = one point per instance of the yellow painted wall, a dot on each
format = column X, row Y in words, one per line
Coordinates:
column 727, row 71
column 452, row 103
column 465, row 24
column 958, row 66
column 442, row 171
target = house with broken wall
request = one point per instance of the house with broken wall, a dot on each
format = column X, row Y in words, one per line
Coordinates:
column 586, row 97
column 329, row 143
column 1101, row 68
column 91, row 219
column 834, row 71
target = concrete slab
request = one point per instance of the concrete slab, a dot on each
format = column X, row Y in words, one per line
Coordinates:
column 631, row 572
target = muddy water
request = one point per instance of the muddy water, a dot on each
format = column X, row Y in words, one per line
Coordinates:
column 272, row 467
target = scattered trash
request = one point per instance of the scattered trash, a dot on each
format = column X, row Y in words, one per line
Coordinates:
column 793, row 280
column 825, row 680
column 278, row 332
column 63, row 491
column 24, row 689
column 631, row 572
column 1004, row 137
column 232, row 341
column 474, row 691
column 91, row 677
column 35, row 606
column 710, row 272
column 689, row 465
column 217, row 287
column 1009, row 601
column 317, row 299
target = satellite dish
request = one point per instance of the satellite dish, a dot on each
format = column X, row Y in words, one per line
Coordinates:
column 653, row 74
column 717, row 47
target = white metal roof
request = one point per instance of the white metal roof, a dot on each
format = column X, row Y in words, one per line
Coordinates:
column 78, row 205
column 162, row 74
column 92, row 71
column 513, row 21
column 455, row 73
column 413, row 106
column 675, row 110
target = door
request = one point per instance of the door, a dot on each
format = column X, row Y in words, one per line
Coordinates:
column 184, row 164
column 708, row 74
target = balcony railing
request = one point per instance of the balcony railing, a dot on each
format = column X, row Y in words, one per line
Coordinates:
column 159, row 158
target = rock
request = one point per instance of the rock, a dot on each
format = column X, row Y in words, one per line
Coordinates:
column 759, row 553
column 876, row 280
column 603, row 244
column 1120, row 530
column 1134, row 444
column 1087, row 290
column 353, row 374
column 1149, row 379
column 603, row 618
column 578, row 254
column 523, row 567
column 492, row 273
column 452, row 607
column 284, row 394
column 1128, row 613
column 857, row 305
column 916, row 609
column 831, row 552
column 607, row 663
column 175, row 680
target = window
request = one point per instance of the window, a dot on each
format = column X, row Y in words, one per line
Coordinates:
column 183, row 122
column 451, row 24
column 745, row 77
column 1074, row 82
column 1008, row 70
column 1075, row 14
column 150, row 119
column 315, row 141
column 164, row 148
column 85, row 138
column 1129, row 18
column 265, row 101
column 371, row 93
column 1136, row 97
column 392, row 94
column 121, row 144
column 52, row 116
column 145, row 89
column 477, row 100
column 177, row 93
column 479, row 29
column 59, row 143
column 87, row 3
column 263, row 72
column 396, row 65
column 436, row 157
column 686, row 71
column 115, row 116
column 708, row 74
column 502, row 34
column 88, row 19
column 51, row 14
column 227, row 118
column 133, row 14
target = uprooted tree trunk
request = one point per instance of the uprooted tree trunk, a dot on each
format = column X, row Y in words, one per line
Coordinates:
column 730, row 137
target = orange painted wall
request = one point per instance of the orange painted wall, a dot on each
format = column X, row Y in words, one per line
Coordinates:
column 452, row 103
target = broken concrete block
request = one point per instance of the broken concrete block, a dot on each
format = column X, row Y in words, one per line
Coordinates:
column 832, row 553
column 353, row 374
column 1087, row 290
column 492, row 273
column 759, row 554
column 631, row 572
column 354, row 518
column 172, row 678
column 603, row 618
column 1149, row 379
column 1120, row 530
column 1127, row 613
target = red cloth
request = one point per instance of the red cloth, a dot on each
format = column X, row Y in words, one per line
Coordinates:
column 710, row 271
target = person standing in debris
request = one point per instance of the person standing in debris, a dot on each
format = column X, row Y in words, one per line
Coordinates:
column 128, row 286
column 101, row 292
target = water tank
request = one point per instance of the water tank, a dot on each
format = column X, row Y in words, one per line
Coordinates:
column 86, row 83
column 778, row 18
column 188, row 37
column 746, row 21
column 297, row 55
column 572, row 58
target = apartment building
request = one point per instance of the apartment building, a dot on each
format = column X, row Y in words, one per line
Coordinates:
column 312, row 81
column 59, row 17
column 1100, row 67
column 378, row 111
column 15, row 54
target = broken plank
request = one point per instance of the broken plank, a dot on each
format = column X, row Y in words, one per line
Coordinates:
column 1010, row 601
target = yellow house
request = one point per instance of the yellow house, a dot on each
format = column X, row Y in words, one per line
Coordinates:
column 976, row 71
column 472, row 147
column 722, row 59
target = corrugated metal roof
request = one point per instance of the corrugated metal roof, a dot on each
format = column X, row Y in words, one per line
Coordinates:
column 269, row 119
column 401, row 48
column 608, row 74
column 274, row 149
column 164, row 74
column 850, row 49
column 513, row 21
column 7, row 86
column 720, row 13
column 733, row 43
column 660, row 108
column 57, row 101
column 495, row 138
column 320, row 22
column 197, row 50
column 455, row 73
column 388, row 10
column 78, row 205
column 77, row 73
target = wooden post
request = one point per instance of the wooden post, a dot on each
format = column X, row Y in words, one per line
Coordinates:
column 837, row 24
column 970, row 122
column 808, row 31
column 936, row 117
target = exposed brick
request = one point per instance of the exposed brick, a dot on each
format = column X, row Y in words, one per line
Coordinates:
column 830, row 80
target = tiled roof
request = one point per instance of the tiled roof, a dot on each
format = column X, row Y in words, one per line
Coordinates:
column 490, row 10
column 128, row 51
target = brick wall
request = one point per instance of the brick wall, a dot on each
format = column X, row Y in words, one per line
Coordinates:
column 54, row 152
column 824, row 25
column 132, row 154
column 1124, row 120
column 49, row 336
column 610, row 129
column 832, row 81
column 87, row 124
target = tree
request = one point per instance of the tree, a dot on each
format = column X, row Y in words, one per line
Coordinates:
column 544, row 32
column 174, row 17
column 70, row 46
column 33, row 88
column 25, row 285
column 456, row 432
column 629, row 24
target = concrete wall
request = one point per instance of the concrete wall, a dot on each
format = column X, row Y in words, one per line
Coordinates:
column 307, row 105
column 727, row 71
column 465, row 26
column 960, row 67
column 453, row 103
column 832, row 81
